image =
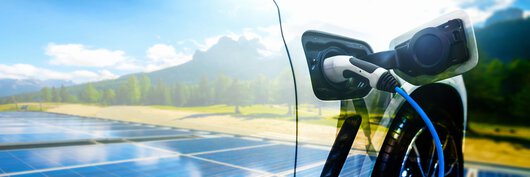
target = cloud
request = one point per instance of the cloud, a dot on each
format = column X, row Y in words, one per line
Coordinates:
column 26, row 71
column 163, row 56
column 377, row 21
column 81, row 55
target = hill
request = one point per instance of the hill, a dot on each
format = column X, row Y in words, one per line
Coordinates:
column 505, row 40
column 20, row 86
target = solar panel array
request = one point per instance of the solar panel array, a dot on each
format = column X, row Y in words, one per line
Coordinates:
column 44, row 144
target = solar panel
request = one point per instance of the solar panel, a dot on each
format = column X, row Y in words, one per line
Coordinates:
column 33, row 159
column 277, row 158
column 352, row 167
column 179, row 167
column 205, row 144
column 144, row 133
column 42, row 137
column 218, row 155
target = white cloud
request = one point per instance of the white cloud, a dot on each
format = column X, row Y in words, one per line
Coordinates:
column 377, row 21
column 80, row 55
column 162, row 56
column 210, row 41
column 26, row 71
column 527, row 14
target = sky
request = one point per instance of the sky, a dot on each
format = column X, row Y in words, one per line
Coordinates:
column 82, row 41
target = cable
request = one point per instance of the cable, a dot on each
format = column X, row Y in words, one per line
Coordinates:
column 430, row 126
column 295, row 87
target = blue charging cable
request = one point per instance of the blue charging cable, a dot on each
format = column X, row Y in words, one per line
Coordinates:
column 430, row 126
column 381, row 79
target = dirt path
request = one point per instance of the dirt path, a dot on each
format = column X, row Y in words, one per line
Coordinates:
column 256, row 127
column 476, row 149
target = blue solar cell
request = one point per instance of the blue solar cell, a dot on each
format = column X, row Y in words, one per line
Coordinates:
column 93, row 171
column 42, row 137
column 29, row 159
column 310, row 172
column 32, row 175
column 487, row 173
column 145, row 133
column 21, row 124
column 277, row 158
column 352, row 167
column 177, row 166
column 114, row 127
column 61, row 173
column 28, row 130
column 205, row 144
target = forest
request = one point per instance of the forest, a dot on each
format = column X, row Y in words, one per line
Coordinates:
column 143, row 91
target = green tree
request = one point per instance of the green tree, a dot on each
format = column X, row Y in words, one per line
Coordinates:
column 161, row 94
column 109, row 97
column 145, row 85
column 284, row 90
column 46, row 94
column 180, row 94
column 484, row 83
column 239, row 94
column 89, row 94
column 261, row 89
column 56, row 97
column 122, row 96
column 220, row 89
column 204, row 92
column 65, row 96
column 133, row 90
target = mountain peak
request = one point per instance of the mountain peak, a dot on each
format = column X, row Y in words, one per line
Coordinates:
column 508, row 14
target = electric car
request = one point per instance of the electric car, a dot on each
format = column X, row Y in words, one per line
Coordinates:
column 236, row 88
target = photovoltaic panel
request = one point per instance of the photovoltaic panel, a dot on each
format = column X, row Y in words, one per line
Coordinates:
column 175, row 166
column 144, row 133
column 43, row 137
column 277, row 158
column 205, row 144
column 41, row 158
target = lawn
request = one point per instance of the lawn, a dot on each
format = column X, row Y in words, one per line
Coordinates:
column 30, row 106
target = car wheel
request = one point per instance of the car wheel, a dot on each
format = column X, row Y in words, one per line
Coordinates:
column 408, row 149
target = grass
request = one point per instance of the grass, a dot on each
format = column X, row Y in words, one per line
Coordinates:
column 30, row 106
column 520, row 132
column 307, row 113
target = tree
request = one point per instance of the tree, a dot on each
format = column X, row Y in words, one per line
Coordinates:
column 145, row 85
column 238, row 94
column 66, row 97
column 179, row 95
column 46, row 94
column 133, row 90
column 89, row 94
column 109, row 97
column 204, row 92
column 56, row 97
column 261, row 89
column 122, row 94
column 220, row 88
column 284, row 90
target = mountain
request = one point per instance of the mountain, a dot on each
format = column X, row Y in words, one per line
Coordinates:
column 239, row 59
column 505, row 40
column 19, row 86
column 505, row 15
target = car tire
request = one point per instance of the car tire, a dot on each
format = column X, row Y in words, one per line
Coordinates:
column 408, row 136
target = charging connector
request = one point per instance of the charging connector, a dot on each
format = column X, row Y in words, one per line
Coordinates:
column 337, row 67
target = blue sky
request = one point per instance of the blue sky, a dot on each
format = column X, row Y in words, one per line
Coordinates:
column 85, row 40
